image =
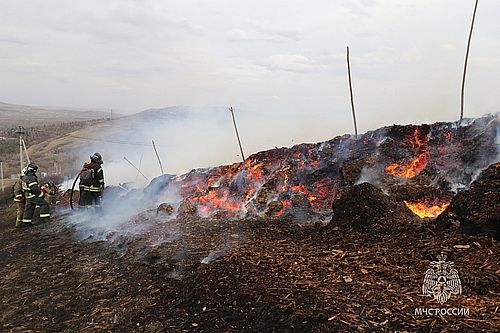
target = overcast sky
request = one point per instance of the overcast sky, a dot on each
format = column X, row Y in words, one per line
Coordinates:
column 285, row 57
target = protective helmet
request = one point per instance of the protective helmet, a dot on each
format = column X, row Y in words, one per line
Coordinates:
column 31, row 167
column 97, row 158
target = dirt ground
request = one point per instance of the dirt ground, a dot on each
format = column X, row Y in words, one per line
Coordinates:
column 280, row 277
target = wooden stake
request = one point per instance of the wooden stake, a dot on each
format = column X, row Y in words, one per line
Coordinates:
column 465, row 63
column 135, row 167
column 352, row 98
column 158, row 157
column 237, row 135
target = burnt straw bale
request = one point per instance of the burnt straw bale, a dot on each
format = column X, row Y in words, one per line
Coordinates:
column 477, row 209
column 365, row 206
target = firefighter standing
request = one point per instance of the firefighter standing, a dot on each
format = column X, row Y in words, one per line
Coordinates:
column 20, row 200
column 92, row 183
column 34, row 196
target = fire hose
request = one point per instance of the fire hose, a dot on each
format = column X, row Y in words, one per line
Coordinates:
column 72, row 190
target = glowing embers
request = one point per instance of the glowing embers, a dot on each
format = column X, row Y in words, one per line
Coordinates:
column 285, row 204
column 216, row 199
column 409, row 169
column 428, row 207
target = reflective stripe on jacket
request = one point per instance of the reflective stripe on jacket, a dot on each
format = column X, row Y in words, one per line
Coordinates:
column 97, row 184
column 18, row 191
column 31, row 187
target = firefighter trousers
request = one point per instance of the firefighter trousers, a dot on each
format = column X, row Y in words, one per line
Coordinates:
column 20, row 211
column 29, row 210
column 89, row 199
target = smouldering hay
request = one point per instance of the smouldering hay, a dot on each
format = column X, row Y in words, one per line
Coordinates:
column 365, row 206
column 304, row 180
column 478, row 208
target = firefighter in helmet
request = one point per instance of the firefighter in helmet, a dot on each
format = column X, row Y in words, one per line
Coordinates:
column 34, row 196
column 19, row 199
column 92, row 183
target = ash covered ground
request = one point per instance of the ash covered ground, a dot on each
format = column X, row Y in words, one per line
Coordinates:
column 335, row 236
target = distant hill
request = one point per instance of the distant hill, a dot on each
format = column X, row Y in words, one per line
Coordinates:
column 175, row 112
column 29, row 116
column 185, row 136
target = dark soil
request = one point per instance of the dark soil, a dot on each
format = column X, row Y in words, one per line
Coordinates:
column 282, row 277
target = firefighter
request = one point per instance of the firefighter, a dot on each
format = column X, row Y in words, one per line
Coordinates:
column 50, row 189
column 19, row 199
column 34, row 196
column 92, row 183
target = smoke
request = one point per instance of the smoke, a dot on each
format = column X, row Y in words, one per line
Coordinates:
column 185, row 138
column 188, row 137
column 478, row 149
column 211, row 256
column 127, row 214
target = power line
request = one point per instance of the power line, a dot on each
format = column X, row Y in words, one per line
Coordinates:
column 113, row 141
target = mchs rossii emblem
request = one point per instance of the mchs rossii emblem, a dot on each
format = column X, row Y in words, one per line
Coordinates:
column 441, row 280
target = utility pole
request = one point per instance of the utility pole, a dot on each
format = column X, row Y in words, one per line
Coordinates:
column 237, row 134
column 26, row 152
column 20, row 132
column 1, row 173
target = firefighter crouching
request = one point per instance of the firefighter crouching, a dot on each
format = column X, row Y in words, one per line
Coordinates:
column 92, row 183
column 34, row 196
column 19, row 200
column 50, row 190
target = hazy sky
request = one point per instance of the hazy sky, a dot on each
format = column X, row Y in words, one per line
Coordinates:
column 284, row 57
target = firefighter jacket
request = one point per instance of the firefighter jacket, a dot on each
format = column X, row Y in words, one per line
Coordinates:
column 96, row 181
column 17, row 191
column 31, row 187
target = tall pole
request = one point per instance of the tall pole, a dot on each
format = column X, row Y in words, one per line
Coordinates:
column 237, row 134
column 350, row 91
column 1, row 173
column 20, row 132
column 465, row 63
column 158, row 157
column 26, row 151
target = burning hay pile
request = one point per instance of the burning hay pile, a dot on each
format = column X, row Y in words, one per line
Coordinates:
column 420, row 166
column 260, row 275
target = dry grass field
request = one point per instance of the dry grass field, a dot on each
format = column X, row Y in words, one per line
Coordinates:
column 45, row 136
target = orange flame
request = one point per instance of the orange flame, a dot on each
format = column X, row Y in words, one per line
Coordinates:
column 411, row 169
column 216, row 199
column 418, row 140
column 427, row 208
